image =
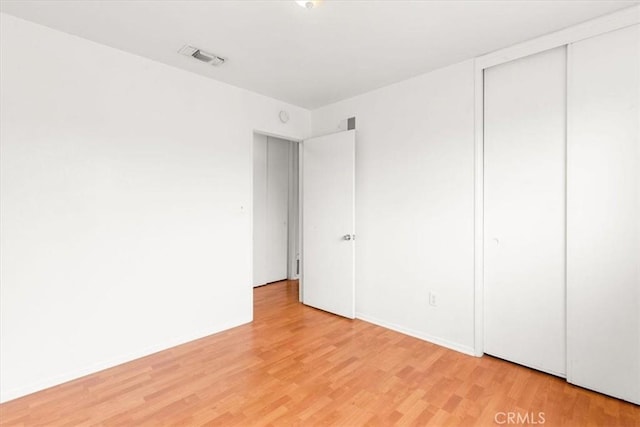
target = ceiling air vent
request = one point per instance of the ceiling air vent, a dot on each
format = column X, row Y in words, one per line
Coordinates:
column 200, row 55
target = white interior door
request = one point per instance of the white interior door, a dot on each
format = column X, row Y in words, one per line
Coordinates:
column 328, row 223
column 525, row 143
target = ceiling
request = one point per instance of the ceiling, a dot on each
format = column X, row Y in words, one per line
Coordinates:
column 311, row 58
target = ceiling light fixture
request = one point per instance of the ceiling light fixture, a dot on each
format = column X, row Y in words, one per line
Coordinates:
column 200, row 55
column 308, row 4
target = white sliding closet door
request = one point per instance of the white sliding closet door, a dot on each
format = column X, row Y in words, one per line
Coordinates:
column 259, row 209
column 277, row 209
column 524, row 192
column 603, row 217
column 270, row 209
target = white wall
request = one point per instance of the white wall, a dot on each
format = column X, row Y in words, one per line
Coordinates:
column 414, row 203
column 125, row 205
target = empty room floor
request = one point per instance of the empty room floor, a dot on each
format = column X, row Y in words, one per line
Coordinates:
column 295, row 365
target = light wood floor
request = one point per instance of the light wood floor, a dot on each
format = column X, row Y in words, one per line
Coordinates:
column 298, row 366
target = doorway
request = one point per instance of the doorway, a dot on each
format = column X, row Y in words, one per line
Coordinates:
column 276, row 249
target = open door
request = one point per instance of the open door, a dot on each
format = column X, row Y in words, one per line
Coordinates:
column 328, row 223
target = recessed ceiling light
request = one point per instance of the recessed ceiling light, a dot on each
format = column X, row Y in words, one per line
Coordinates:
column 308, row 4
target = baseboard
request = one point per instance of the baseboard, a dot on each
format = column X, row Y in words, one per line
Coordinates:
column 417, row 334
column 106, row 364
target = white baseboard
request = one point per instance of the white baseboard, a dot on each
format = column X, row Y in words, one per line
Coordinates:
column 56, row 380
column 417, row 334
column 97, row 367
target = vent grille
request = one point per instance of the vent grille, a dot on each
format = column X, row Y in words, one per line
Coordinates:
column 200, row 55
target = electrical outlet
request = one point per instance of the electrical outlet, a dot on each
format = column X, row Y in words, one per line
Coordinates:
column 432, row 299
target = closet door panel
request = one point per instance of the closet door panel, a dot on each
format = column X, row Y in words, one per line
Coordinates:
column 259, row 209
column 525, row 143
column 603, row 183
column 277, row 209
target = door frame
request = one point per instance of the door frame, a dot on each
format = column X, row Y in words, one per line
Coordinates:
column 614, row 21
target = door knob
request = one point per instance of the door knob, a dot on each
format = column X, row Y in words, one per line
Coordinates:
column 348, row 237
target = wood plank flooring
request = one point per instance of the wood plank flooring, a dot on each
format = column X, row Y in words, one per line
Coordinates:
column 295, row 365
